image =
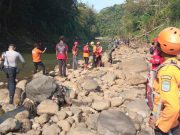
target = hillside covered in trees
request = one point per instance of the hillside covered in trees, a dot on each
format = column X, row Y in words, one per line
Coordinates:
column 25, row 21
column 136, row 17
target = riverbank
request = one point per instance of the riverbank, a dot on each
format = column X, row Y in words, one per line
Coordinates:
column 103, row 101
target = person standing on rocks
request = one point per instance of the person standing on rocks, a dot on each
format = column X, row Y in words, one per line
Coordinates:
column 86, row 52
column 11, row 58
column 99, row 54
column 36, row 56
column 75, row 52
column 94, row 47
column 62, row 55
column 166, row 109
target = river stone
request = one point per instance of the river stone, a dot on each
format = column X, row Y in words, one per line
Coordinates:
column 109, row 77
column 80, row 131
column 47, row 106
column 90, row 84
column 135, row 79
column 42, row 119
column 65, row 125
column 33, row 132
column 9, row 125
column 22, row 84
column 138, row 106
column 113, row 122
column 22, row 115
column 40, row 88
column 116, row 101
column 61, row 115
column 26, row 125
column 101, row 105
column 4, row 96
column 92, row 121
column 136, row 64
column 52, row 130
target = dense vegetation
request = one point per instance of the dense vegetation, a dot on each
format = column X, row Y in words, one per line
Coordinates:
column 136, row 17
column 26, row 21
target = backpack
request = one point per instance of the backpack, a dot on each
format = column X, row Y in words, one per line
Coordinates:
column 150, row 93
column 61, row 48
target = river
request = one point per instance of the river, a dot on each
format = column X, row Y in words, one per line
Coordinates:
column 48, row 59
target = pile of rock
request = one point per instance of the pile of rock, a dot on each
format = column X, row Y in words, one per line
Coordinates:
column 104, row 101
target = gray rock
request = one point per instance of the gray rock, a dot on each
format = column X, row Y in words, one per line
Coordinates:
column 113, row 122
column 47, row 106
column 80, row 131
column 92, row 121
column 65, row 125
column 42, row 119
column 22, row 84
column 138, row 106
column 4, row 96
column 51, row 130
column 40, row 88
column 90, row 84
column 22, row 115
column 26, row 125
column 9, row 125
column 101, row 105
column 116, row 101
column 109, row 77
column 135, row 79
column 61, row 115
column 136, row 64
column 33, row 132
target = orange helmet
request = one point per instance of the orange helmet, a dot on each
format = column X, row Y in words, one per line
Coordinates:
column 169, row 40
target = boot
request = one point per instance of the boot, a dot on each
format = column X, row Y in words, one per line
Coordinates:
column 11, row 100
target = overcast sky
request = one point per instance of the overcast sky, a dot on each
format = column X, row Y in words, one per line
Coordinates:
column 100, row 4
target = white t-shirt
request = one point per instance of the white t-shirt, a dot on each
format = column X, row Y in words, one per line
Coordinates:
column 11, row 58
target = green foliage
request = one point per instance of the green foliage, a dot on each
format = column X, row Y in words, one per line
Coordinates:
column 45, row 20
column 137, row 17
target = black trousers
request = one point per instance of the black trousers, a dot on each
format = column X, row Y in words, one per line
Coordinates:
column 41, row 64
column 62, row 67
column 11, row 79
column 94, row 61
column 174, row 131
column 86, row 59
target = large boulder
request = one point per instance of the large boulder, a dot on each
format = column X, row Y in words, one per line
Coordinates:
column 138, row 106
column 9, row 125
column 109, row 77
column 136, row 64
column 47, row 106
column 113, row 122
column 22, row 84
column 40, row 88
column 90, row 84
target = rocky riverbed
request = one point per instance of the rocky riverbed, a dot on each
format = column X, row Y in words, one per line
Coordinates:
column 107, row 100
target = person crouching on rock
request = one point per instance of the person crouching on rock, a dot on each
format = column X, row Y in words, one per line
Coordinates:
column 10, row 68
column 86, row 52
column 62, row 56
column 166, row 109
column 99, row 54
column 36, row 56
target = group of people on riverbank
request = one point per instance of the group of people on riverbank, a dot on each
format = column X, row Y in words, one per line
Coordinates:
column 164, row 81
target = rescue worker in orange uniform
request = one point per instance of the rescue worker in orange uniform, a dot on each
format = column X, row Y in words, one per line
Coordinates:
column 166, row 109
column 86, row 52
column 36, row 56
column 99, row 54
column 94, row 47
